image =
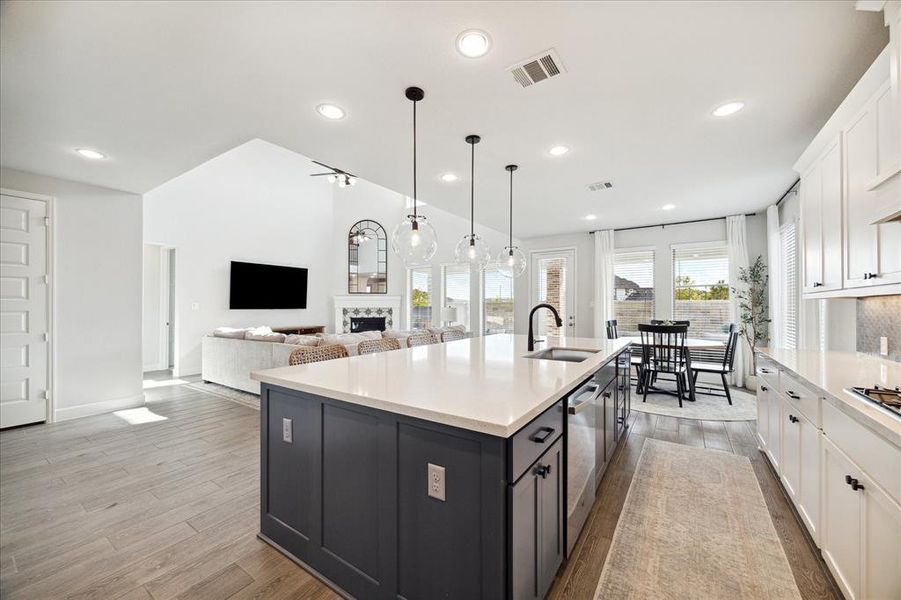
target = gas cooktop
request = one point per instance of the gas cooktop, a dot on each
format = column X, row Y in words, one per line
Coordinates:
column 889, row 399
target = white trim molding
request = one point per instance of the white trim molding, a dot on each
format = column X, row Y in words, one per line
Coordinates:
column 98, row 408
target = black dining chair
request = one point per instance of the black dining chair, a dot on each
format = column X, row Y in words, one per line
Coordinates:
column 612, row 334
column 708, row 363
column 663, row 351
column 664, row 322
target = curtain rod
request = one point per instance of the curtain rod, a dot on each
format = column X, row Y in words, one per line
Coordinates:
column 662, row 225
column 788, row 191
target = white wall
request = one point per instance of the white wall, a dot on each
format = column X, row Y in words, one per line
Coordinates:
column 152, row 338
column 97, row 294
column 257, row 202
column 659, row 238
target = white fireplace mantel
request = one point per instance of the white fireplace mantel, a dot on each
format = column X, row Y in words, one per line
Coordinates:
column 366, row 301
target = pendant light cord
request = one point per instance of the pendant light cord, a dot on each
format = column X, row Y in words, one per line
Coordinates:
column 472, row 192
column 511, row 211
column 414, row 161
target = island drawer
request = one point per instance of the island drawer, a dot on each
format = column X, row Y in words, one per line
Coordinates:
column 531, row 441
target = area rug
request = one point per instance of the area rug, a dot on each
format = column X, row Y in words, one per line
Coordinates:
column 245, row 398
column 695, row 525
column 706, row 408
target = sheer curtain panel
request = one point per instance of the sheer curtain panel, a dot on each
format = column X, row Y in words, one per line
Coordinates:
column 603, row 281
column 737, row 246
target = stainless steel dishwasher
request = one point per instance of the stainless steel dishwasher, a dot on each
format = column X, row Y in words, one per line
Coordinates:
column 582, row 431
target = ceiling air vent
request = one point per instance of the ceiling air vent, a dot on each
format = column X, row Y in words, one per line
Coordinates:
column 598, row 186
column 537, row 69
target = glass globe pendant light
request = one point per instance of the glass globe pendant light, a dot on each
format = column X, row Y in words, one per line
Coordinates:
column 414, row 239
column 511, row 262
column 472, row 249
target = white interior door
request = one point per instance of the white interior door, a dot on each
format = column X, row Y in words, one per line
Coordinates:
column 554, row 281
column 24, row 302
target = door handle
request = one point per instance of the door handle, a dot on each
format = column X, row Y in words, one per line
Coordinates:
column 542, row 435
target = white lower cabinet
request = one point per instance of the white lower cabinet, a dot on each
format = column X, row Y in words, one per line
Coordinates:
column 861, row 529
column 774, row 430
column 800, row 466
column 764, row 392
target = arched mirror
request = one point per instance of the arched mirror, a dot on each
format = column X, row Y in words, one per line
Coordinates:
column 367, row 259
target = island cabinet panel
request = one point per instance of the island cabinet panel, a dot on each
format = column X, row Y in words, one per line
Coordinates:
column 345, row 492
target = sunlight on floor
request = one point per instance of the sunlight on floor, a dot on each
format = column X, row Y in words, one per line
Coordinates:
column 155, row 383
column 137, row 416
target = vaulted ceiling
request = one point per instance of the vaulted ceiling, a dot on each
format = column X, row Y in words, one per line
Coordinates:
column 161, row 87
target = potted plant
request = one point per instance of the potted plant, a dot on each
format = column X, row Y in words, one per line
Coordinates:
column 753, row 311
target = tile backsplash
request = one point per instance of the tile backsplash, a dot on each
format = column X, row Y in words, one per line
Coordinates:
column 879, row 316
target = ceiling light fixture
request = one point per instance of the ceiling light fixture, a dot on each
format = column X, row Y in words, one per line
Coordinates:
column 730, row 108
column 590, row 217
column 472, row 250
column 558, row 150
column 343, row 178
column 511, row 262
column 473, row 43
column 668, row 206
column 332, row 112
column 449, row 178
column 92, row 154
column 414, row 239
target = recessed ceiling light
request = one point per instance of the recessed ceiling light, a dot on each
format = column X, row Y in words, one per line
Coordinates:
column 449, row 178
column 92, row 154
column 558, row 150
column 730, row 108
column 473, row 43
column 590, row 217
column 668, row 206
column 332, row 112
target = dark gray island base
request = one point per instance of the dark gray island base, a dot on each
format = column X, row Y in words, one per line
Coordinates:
column 348, row 492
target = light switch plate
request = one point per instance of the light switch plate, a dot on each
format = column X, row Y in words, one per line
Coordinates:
column 437, row 482
column 883, row 346
column 287, row 431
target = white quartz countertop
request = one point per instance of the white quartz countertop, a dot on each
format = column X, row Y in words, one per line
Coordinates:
column 483, row 384
column 832, row 372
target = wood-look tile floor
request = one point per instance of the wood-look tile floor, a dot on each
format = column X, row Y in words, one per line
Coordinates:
column 101, row 508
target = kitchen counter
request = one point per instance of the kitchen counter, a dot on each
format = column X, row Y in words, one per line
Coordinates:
column 484, row 384
column 831, row 372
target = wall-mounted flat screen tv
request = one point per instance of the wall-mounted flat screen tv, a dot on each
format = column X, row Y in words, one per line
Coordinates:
column 255, row 286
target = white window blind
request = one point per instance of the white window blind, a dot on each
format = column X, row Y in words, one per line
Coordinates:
column 456, row 292
column 497, row 302
column 633, row 290
column 421, row 298
column 701, row 288
column 789, row 240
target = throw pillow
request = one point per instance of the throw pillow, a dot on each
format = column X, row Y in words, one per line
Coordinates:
column 278, row 338
column 229, row 332
column 302, row 340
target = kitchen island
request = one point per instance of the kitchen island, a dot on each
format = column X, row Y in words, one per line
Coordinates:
column 430, row 472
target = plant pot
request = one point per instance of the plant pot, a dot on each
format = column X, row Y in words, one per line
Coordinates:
column 751, row 383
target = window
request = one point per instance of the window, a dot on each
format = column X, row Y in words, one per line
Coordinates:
column 421, row 298
column 701, row 288
column 498, row 302
column 633, row 290
column 455, row 293
column 789, row 241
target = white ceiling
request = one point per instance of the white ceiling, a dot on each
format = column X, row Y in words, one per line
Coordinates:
column 162, row 87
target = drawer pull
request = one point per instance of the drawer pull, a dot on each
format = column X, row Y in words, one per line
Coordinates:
column 543, row 471
column 765, row 370
column 792, row 419
column 542, row 435
column 792, row 395
column 820, row 283
column 764, row 388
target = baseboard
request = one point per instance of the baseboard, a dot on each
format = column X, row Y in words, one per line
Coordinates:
column 98, row 408
column 156, row 367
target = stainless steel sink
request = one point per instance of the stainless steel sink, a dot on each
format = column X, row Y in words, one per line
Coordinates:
column 563, row 354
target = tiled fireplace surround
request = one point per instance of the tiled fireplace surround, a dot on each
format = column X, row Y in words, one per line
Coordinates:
column 366, row 305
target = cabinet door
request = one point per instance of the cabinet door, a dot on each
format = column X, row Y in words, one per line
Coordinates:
column 808, row 498
column 831, row 216
column 841, row 532
column 791, row 450
column 550, row 516
column 609, row 423
column 774, row 431
column 811, row 226
column 763, row 403
column 881, row 544
column 860, row 169
column 524, row 530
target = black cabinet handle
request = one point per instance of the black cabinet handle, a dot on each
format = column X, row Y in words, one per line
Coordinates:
column 792, row 419
column 543, row 434
column 792, row 395
column 848, row 479
column 765, row 370
column 764, row 388
column 855, row 485
column 543, row 471
column 869, row 275
column 819, row 283
column 606, row 394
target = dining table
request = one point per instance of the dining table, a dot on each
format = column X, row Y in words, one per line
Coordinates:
column 690, row 343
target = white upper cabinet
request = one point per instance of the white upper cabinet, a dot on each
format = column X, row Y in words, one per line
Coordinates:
column 850, row 186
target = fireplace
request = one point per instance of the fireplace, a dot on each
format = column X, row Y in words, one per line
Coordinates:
column 364, row 306
column 358, row 324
